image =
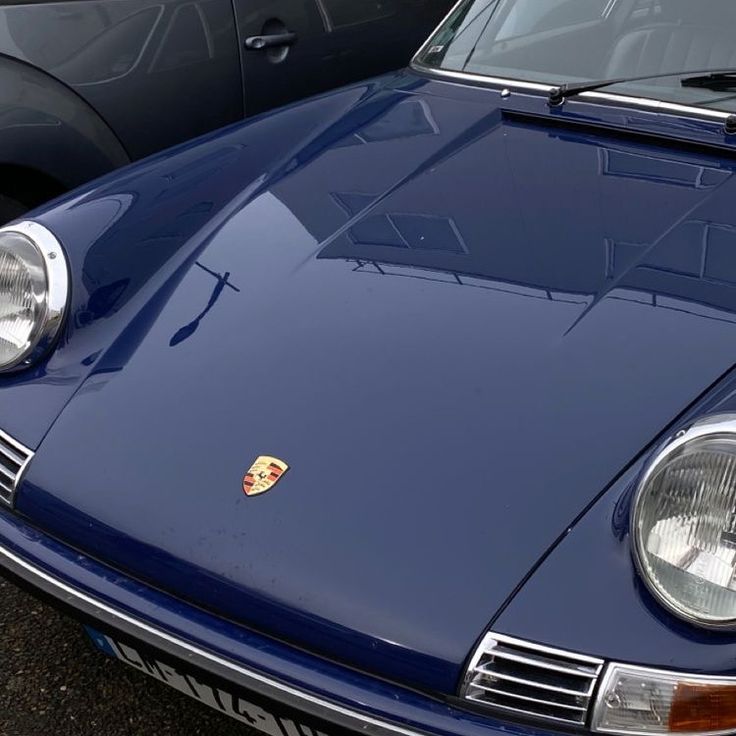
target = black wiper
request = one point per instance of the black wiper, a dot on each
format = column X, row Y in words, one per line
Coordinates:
column 702, row 78
column 713, row 80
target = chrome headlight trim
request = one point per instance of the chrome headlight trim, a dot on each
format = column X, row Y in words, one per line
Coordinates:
column 722, row 426
column 56, row 270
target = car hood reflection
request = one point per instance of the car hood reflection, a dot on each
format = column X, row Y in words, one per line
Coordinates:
column 455, row 329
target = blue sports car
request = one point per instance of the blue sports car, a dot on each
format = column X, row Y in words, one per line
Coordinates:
column 409, row 409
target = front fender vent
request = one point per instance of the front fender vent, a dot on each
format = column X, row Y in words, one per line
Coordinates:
column 531, row 680
column 14, row 459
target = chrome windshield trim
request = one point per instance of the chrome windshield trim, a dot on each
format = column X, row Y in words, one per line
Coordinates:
column 480, row 78
column 608, row 97
column 179, row 648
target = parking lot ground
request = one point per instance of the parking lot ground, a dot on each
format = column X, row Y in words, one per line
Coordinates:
column 54, row 683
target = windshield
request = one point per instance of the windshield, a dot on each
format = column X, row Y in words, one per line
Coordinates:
column 555, row 42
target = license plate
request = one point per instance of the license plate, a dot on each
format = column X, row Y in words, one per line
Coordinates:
column 226, row 701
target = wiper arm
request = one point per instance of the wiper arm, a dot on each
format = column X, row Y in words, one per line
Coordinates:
column 714, row 80
column 703, row 78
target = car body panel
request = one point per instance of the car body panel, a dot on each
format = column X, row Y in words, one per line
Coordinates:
column 337, row 42
column 88, row 588
column 157, row 73
column 151, row 74
column 42, row 121
column 109, row 288
column 396, row 326
column 591, row 595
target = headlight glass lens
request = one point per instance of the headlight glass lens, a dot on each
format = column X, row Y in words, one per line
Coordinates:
column 684, row 528
column 23, row 292
column 34, row 293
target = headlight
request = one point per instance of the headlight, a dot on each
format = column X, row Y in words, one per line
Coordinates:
column 34, row 288
column 684, row 524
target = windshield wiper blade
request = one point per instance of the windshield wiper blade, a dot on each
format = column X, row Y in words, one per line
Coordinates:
column 714, row 80
column 557, row 95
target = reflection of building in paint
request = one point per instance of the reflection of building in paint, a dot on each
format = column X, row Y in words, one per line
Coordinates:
column 698, row 250
column 400, row 229
column 659, row 169
column 408, row 119
column 579, row 254
column 633, row 296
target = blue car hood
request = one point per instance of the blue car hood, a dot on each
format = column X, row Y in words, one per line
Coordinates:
column 456, row 328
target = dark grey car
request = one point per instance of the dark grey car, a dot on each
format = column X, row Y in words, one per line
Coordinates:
column 89, row 85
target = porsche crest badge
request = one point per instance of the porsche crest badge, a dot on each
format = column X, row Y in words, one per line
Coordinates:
column 263, row 475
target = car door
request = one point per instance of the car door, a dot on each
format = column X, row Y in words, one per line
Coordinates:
column 282, row 43
column 295, row 48
column 376, row 36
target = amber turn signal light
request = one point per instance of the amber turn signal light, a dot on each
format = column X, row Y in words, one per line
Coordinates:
column 638, row 700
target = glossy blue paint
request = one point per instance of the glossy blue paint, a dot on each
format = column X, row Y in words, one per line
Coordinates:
column 411, row 709
column 592, row 598
column 457, row 318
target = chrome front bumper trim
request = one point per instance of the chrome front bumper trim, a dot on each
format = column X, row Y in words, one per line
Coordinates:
column 212, row 663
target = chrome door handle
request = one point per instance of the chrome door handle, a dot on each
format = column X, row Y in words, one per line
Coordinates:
column 257, row 43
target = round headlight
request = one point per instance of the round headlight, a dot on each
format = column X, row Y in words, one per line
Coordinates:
column 684, row 524
column 34, row 288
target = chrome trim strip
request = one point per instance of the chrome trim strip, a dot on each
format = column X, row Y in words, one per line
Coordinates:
column 609, row 97
column 516, row 696
column 4, row 471
column 17, row 459
column 522, row 643
column 480, row 78
column 8, row 448
column 264, row 685
column 57, row 291
column 434, row 32
column 537, row 685
column 513, row 657
column 530, row 713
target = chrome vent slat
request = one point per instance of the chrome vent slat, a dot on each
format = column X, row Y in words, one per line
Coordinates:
column 576, row 671
column 517, row 696
column 535, row 683
column 9, row 474
column 532, row 712
column 10, row 454
column 14, row 459
column 517, row 676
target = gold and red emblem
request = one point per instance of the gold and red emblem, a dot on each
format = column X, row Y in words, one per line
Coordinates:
column 263, row 475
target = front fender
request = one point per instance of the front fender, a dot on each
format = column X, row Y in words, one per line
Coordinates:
column 587, row 596
column 132, row 235
column 46, row 126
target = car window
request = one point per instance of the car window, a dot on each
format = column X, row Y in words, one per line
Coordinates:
column 527, row 16
column 566, row 41
column 342, row 13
